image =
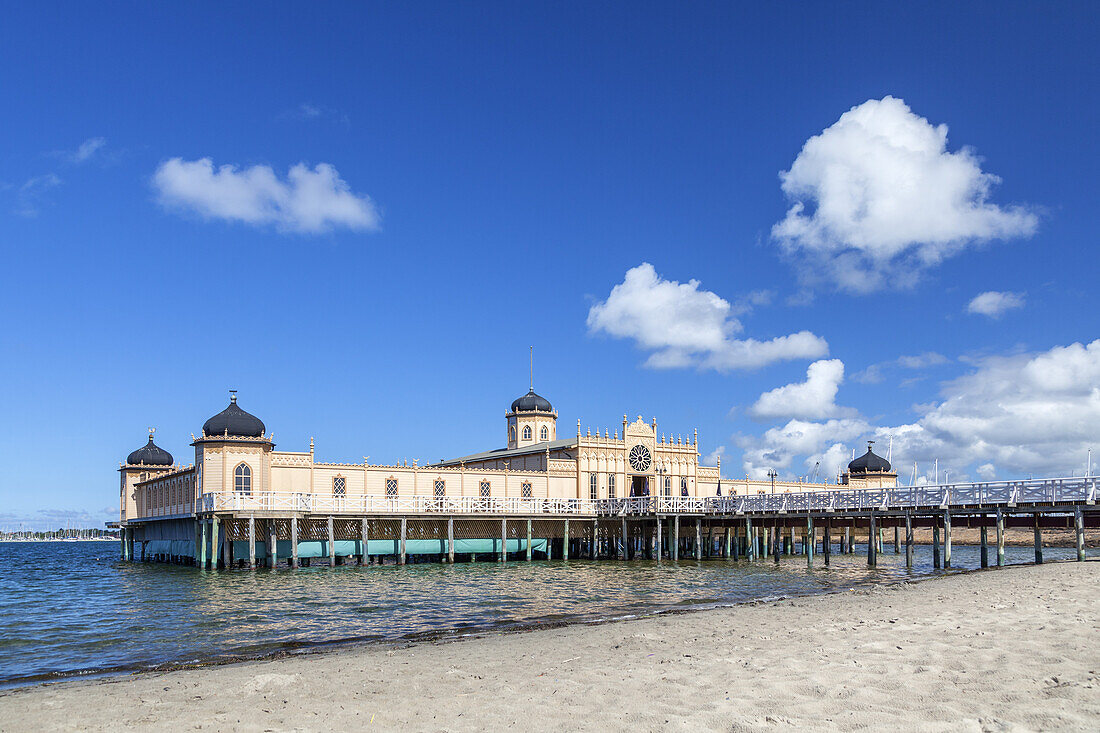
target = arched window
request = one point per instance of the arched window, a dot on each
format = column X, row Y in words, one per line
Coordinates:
column 611, row 486
column 526, row 432
column 668, row 486
column 485, row 490
column 511, row 432
column 683, row 487
column 242, row 479
column 525, row 489
column 339, row 487
column 544, row 434
column 593, row 487
column 440, row 487
column 391, row 486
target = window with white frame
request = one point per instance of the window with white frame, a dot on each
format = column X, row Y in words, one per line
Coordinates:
column 440, row 488
column 242, row 479
column 544, row 434
column 391, row 486
column 611, row 486
column 526, row 432
column 668, row 486
column 485, row 490
column 339, row 487
column 525, row 489
column 683, row 487
column 593, row 487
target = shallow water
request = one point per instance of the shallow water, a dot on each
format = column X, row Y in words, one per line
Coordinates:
column 72, row 608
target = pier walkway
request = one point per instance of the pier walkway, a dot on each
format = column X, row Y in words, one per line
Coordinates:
column 232, row 528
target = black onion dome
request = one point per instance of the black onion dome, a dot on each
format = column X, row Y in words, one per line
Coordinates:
column 532, row 402
column 869, row 462
column 234, row 421
column 150, row 454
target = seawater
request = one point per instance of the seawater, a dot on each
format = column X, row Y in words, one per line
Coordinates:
column 74, row 608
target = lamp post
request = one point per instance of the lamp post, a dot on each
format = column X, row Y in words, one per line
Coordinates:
column 772, row 475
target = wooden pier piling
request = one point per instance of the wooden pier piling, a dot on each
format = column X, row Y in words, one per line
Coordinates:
column 332, row 543
column 1038, row 541
column 565, row 540
column 698, row 539
column 872, row 550
column 674, row 545
column 1000, row 538
column 909, row 538
column 935, row 544
column 946, row 538
column 1079, row 531
column 251, row 542
column 984, row 541
column 528, row 539
column 808, row 543
column 272, row 547
column 294, row 542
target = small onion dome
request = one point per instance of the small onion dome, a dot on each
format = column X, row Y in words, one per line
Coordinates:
column 234, row 421
column 868, row 463
column 531, row 402
column 150, row 454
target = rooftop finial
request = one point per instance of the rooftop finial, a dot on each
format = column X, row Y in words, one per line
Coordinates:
column 151, row 431
column 233, row 396
column 869, row 444
column 532, row 368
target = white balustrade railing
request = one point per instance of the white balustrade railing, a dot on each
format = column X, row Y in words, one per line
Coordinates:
column 994, row 493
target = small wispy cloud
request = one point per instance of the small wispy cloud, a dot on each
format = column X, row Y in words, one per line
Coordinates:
column 307, row 201
column 311, row 111
column 31, row 197
column 90, row 148
column 875, row 373
column 994, row 303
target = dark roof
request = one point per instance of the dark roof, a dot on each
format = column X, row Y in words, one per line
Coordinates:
column 869, row 462
column 234, row 421
column 150, row 454
column 532, row 402
column 501, row 453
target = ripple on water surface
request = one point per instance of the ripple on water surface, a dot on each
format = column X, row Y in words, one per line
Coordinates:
column 71, row 608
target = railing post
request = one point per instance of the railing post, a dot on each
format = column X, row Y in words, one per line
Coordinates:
column 872, row 557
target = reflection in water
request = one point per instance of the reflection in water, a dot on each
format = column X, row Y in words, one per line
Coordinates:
column 71, row 608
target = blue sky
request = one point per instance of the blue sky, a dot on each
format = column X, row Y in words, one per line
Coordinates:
column 415, row 195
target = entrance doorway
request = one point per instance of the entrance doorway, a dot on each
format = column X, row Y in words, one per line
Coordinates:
column 639, row 486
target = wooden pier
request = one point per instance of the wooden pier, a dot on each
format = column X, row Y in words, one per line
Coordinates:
column 267, row 530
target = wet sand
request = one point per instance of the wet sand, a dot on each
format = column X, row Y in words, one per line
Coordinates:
column 1010, row 649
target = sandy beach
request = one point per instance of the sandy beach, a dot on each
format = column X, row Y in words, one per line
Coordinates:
column 1011, row 649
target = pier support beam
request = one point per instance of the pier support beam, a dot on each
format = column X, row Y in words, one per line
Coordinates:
column 364, row 540
column 272, row 547
column 698, row 539
column 750, row 540
column 727, row 549
column 251, row 542
column 332, row 542
column 846, row 545
column 294, row 542
column 626, row 542
column 1079, row 531
column 215, row 543
column 808, row 543
column 529, row 538
column 1038, row 541
column 592, row 545
column 777, row 542
column 565, row 540
column 1000, row 538
column 935, row 543
column 872, row 550
column 897, row 538
column 450, row 538
column 947, row 538
column 909, row 538
column 674, row 545
column 404, row 548
column 657, row 540
column 504, row 539
column 826, row 542
column 984, row 559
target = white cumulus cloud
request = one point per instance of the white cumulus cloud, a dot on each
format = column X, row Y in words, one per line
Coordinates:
column 683, row 325
column 1028, row 414
column 878, row 198
column 307, row 200
column 780, row 448
column 994, row 304
column 813, row 399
